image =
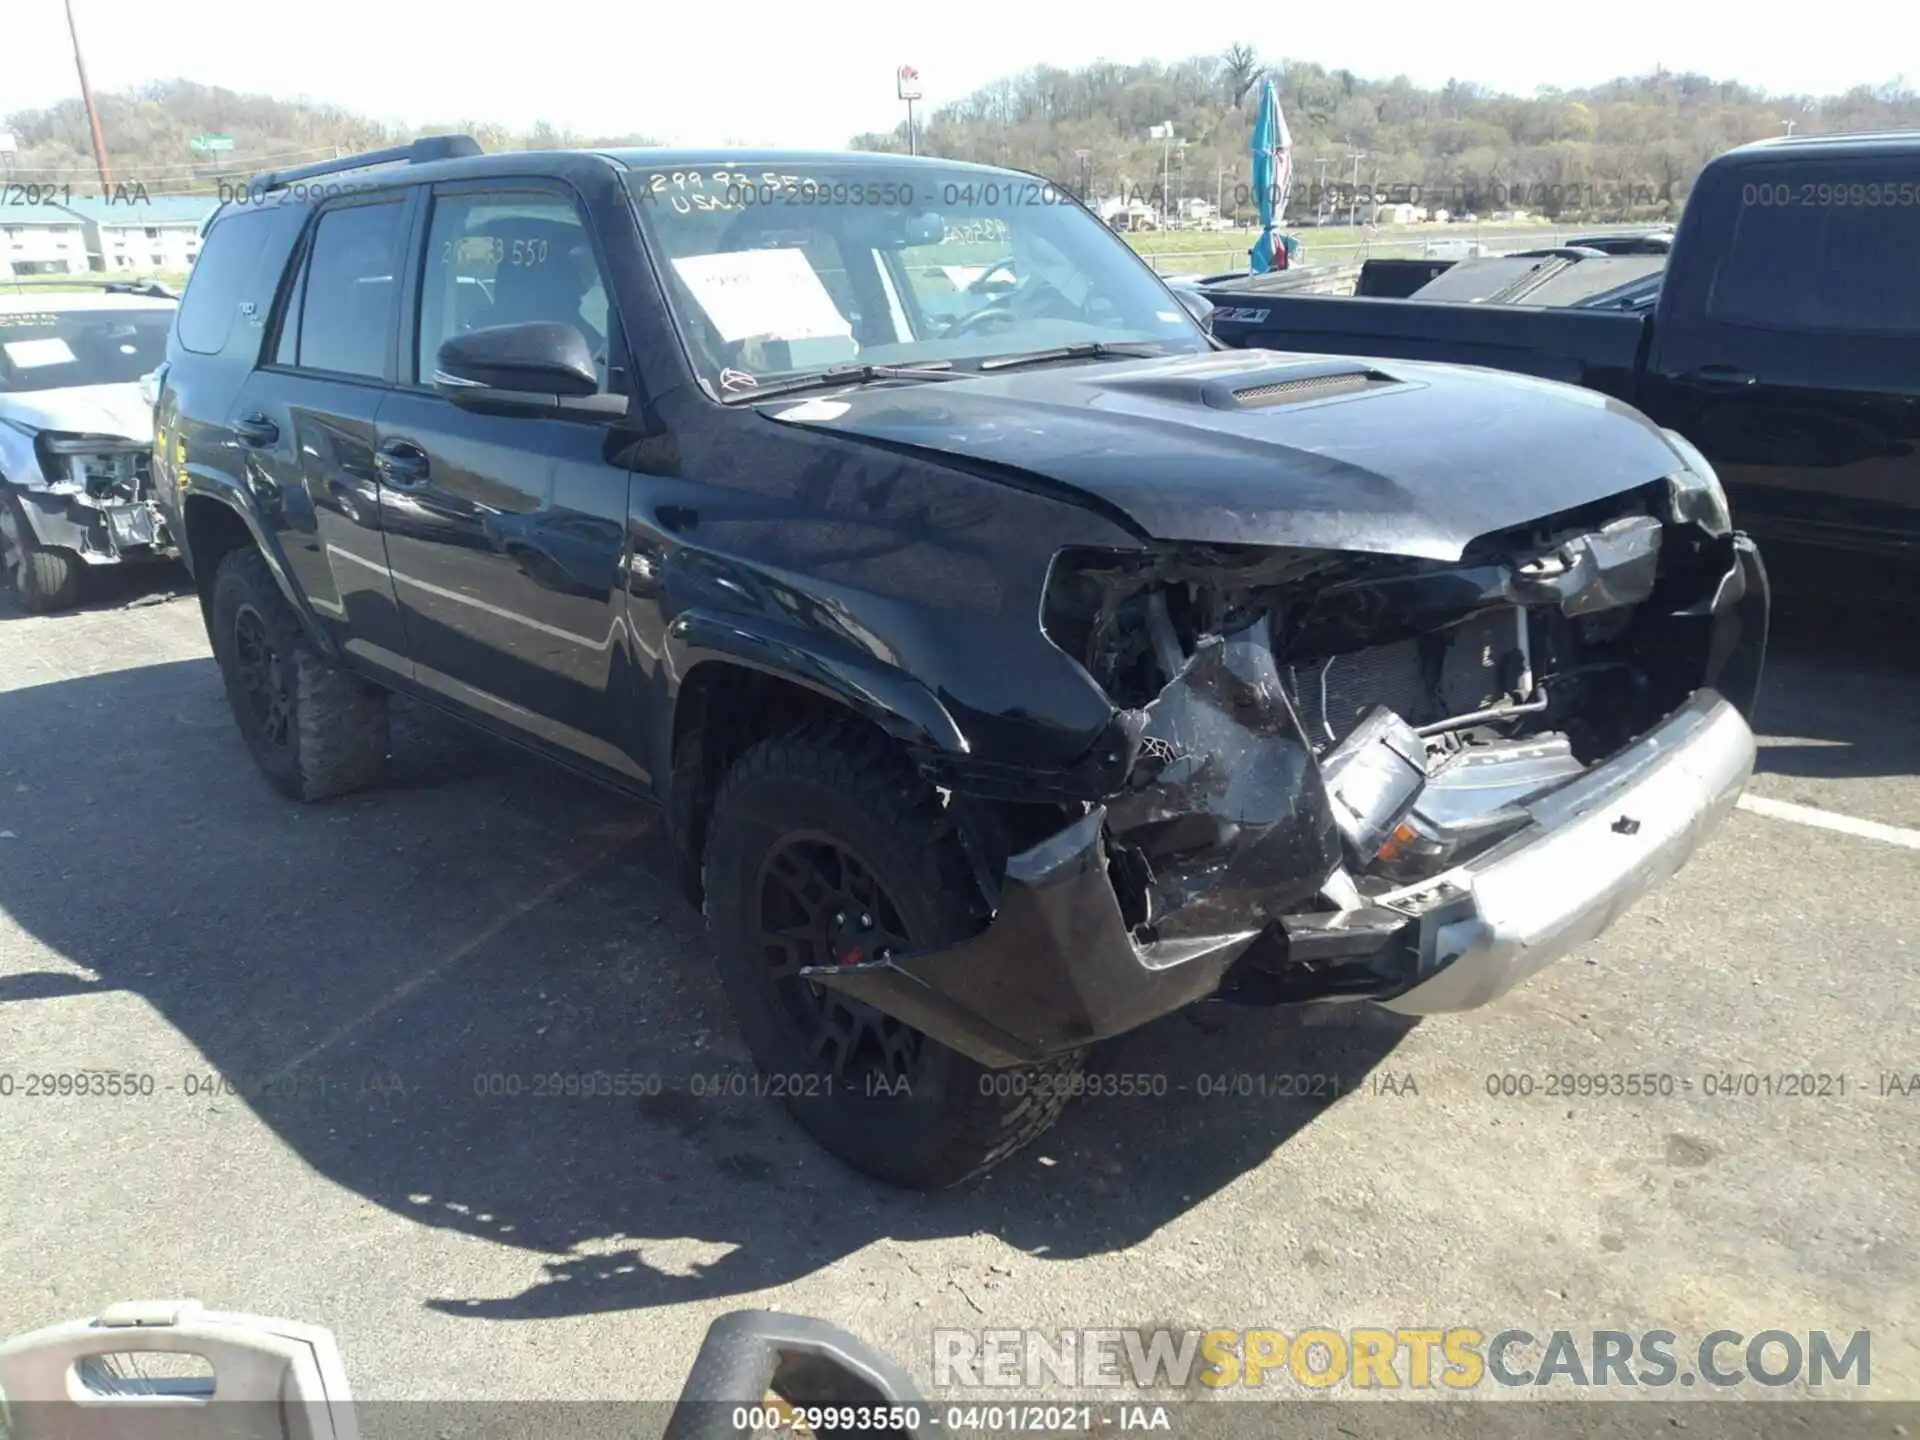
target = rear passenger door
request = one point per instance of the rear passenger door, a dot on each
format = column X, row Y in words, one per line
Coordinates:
column 506, row 532
column 307, row 418
column 1790, row 355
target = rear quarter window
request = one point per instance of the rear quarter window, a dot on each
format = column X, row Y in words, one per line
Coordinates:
column 1829, row 248
column 239, row 266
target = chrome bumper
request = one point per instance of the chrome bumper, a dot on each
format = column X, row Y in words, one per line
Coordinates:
column 1596, row 846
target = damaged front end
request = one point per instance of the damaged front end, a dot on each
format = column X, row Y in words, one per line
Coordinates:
column 94, row 495
column 1346, row 775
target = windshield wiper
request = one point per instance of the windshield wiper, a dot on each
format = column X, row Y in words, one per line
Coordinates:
column 1084, row 350
column 842, row 375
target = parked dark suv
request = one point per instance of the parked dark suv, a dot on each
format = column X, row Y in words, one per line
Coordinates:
column 1013, row 664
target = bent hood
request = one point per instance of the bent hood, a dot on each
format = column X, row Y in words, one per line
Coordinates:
column 1257, row 447
column 116, row 410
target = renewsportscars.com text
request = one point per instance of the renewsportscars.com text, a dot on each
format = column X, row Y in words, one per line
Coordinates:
column 1416, row 1358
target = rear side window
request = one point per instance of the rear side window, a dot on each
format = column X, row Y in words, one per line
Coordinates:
column 1829, row 249
column 218, row 283
column 349, row 292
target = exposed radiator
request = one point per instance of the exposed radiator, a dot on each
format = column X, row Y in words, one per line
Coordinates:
column 1451, row 672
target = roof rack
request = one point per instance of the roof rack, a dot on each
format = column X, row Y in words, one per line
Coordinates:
column 419, row 152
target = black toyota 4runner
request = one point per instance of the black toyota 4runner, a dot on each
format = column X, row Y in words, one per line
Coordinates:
column 1014, row 665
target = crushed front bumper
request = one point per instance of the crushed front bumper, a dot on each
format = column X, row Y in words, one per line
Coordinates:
column 1596, row 845
column 100, row 532
column 1060, row 966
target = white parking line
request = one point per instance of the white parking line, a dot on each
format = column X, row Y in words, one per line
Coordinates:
column 454, row 956
column 1827, row 820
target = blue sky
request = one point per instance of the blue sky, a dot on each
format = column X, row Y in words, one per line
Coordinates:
column 794, row 74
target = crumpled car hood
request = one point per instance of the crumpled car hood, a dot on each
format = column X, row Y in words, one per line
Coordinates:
column 1421, row 462
column 115, row 410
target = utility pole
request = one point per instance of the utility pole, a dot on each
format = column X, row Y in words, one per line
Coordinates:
column 1353, row 207
column 1320, row 205
column 1163, row 132
column 93, row 115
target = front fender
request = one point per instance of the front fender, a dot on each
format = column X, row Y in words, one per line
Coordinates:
column 204, row 486
column 899, row 704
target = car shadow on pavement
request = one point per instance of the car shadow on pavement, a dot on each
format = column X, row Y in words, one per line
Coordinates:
column 1841, row 686
column 474, row 998
column 113, row 587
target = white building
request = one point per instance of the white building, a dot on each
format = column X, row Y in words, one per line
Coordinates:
column 1392, row 214
column 159, row 233
column 41, row 240
column 1128, row 214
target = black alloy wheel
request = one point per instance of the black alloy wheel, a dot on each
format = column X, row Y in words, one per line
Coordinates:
column 820, row 905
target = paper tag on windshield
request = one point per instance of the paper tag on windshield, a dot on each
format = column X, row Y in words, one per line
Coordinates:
column 32, row 354
column 774, row 294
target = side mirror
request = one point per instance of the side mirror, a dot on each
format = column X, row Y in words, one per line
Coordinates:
column 541, row 365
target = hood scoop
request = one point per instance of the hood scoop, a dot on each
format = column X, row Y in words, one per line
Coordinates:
column 1308, row 387
column 1260, row 387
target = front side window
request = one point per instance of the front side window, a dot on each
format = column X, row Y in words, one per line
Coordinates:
column 1831, row 248
column 495, row 259
column 889, row 264
column 351, row 287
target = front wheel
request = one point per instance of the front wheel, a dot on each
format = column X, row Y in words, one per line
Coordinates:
column 827, row 848
column 315, row 730
column 46, row 579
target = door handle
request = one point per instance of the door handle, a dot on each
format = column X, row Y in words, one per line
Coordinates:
column 1721, row 377
column 402, row 464
column 256, row 431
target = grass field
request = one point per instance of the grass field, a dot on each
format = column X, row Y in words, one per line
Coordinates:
column 1203, row 252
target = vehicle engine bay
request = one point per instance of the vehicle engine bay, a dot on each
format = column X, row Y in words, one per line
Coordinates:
column 1428, row 699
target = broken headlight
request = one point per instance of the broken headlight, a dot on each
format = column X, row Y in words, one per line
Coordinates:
column 106, row 470
column 1695, row 492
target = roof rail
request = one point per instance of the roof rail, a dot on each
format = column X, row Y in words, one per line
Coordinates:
column 418, row 152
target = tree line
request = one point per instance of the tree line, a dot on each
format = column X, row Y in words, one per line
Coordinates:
column 149, row 133
column 1627, row 149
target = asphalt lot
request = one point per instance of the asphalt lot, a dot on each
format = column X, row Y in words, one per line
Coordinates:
column 163, row 913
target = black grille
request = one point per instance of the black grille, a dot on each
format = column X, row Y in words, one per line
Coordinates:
column 1451, row 672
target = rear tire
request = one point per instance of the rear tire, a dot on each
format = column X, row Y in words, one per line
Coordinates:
column 315, row 730
column 881, row 846
column 45, row 579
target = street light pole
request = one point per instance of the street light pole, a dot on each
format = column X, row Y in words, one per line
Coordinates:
column 93, row 115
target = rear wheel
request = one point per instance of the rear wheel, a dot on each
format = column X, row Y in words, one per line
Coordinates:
column 45, row 579
column 315, row 730
column 828, row 848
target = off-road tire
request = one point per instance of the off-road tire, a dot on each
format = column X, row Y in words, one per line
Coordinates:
column 45, row 580
column 848, row 782
column 337, row 737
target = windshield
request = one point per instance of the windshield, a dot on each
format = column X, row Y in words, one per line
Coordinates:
column 50, row 350
column 875, row 264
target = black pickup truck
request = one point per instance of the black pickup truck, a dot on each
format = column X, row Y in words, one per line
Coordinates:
column 1785, row 345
